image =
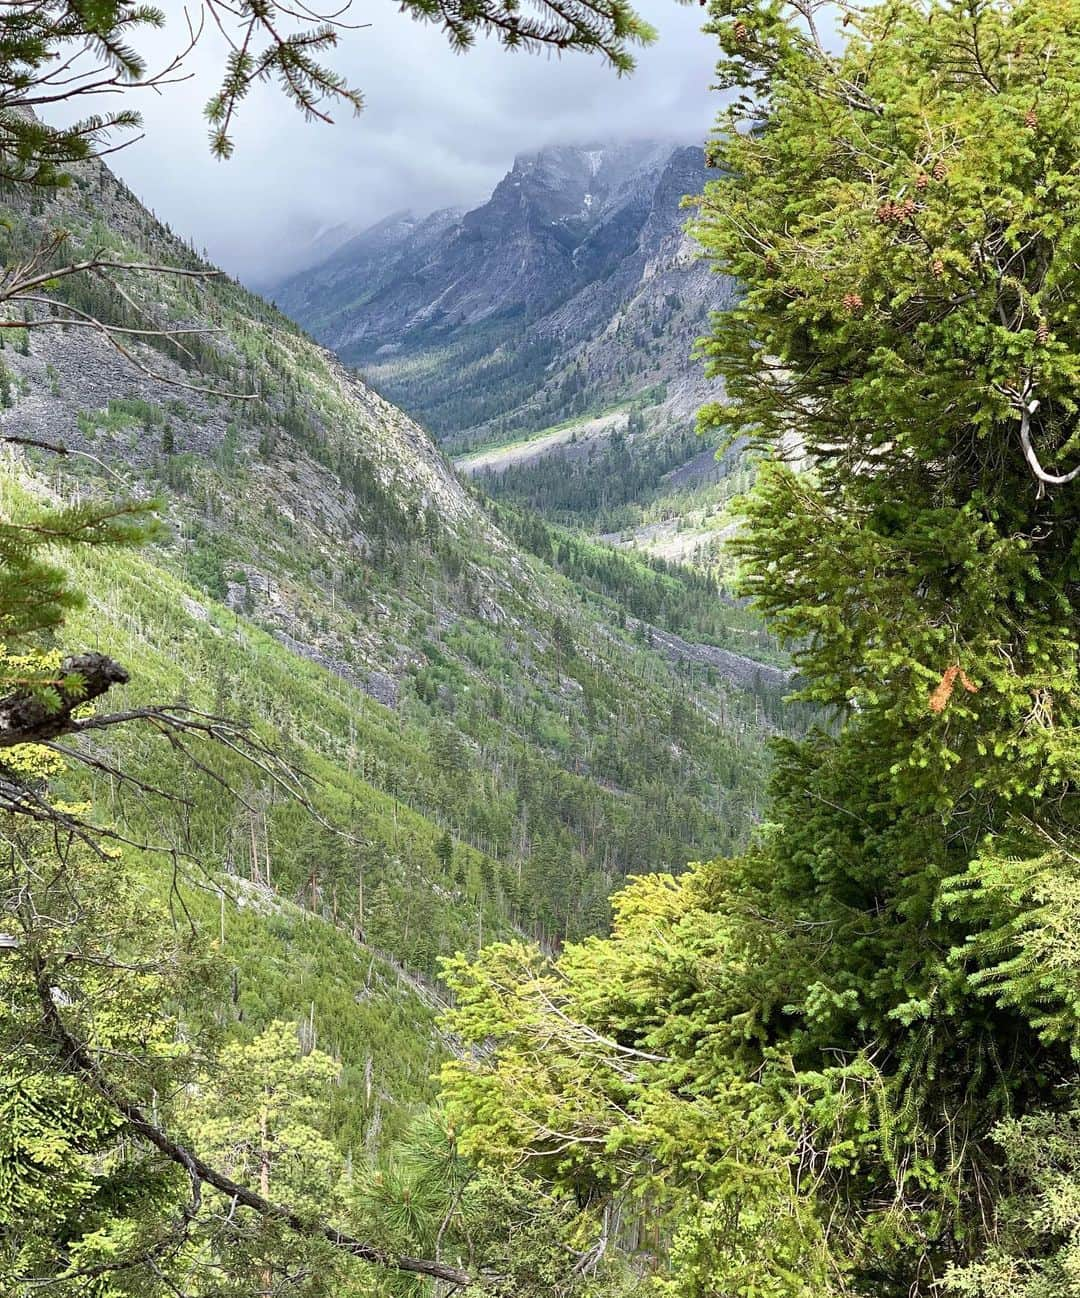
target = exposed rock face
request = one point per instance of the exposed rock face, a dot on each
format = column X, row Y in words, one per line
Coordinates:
column 573, row 285
column 298, row 497
column 734, row 667
column 322, row 298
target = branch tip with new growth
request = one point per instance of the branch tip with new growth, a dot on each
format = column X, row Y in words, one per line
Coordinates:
column 78, row 1058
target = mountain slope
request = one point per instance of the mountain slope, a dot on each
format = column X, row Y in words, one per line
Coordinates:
column 573, row 288
column 520, row 708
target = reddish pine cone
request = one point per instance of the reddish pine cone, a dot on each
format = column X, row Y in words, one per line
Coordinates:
column 940, row 171
column 1042, row 333
column 853, row 303
column 922, row 181
column 890, row 211
column 937, row 266
column 1031, row 119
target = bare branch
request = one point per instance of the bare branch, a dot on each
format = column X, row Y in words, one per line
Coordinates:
column 32, row 716
column 77, row 1058
column 11, row 285
column 35, row 443
column 1027, row 406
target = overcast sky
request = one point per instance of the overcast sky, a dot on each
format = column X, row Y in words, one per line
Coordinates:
column 438, row 129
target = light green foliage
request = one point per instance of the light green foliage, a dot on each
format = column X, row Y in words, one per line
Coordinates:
column 35, row 594
column 413, row 1194
column 621, row 1071
column 1023, row 940
column 259, row 1114
column 1037, row 1253
column 74, row 1197
column 857, row 1010
column 121, row 414
column 275, row 960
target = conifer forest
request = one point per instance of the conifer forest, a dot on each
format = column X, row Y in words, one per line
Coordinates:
column 537, row 750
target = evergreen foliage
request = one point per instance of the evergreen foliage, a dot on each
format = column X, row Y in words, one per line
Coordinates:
column 811, row 1057
column 61, row 51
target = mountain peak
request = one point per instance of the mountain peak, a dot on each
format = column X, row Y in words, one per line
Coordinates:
column 578, row 244
column 610, row 161
column 597, row 152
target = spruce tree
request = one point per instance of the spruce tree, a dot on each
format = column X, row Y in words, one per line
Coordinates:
column 816, row 1056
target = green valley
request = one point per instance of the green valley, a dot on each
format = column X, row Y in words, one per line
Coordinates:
column 585, row 867
column 479, row 726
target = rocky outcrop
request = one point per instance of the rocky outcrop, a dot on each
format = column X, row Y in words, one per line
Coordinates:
column 746, row 673
column 574, row 285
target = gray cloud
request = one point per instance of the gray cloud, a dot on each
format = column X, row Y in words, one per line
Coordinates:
column 438, row 129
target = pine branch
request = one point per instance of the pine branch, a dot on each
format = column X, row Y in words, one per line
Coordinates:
column 78, row 1059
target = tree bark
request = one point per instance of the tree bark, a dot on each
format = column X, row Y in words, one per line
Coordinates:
column 26, row 718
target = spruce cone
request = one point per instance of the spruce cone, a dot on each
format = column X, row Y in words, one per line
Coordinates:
column 1042, row 333
column 940, row 171
column 853, row 303
column 1031, row 119
column 937, row 267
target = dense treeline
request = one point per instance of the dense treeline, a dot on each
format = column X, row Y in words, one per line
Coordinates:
column 469, row 380
column 844, row 1062
column 603, row 486
column 496, row 380
column 689, row 601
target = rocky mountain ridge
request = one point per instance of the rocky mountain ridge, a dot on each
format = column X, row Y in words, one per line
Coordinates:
column 573, row 288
